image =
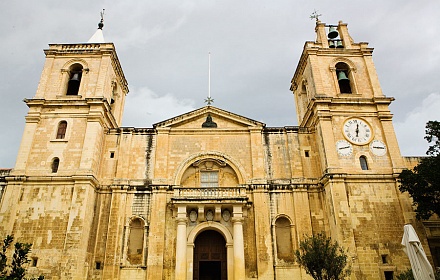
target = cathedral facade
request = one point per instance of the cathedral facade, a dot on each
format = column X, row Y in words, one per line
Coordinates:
column 208, row 194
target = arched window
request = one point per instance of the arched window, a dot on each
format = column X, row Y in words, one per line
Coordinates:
column 343, row 74
column 61, row 131
column 74, row 79
column 363, row 162
column 283, row 234
column 136, row 242
column 55, row 165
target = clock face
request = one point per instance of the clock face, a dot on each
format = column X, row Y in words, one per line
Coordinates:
column 344, row 148
column 378, row 148
column 357, row 131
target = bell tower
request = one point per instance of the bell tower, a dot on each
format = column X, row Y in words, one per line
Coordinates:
column 81, row 94
column 338, row 96
column 341, row 106
column 52, row 191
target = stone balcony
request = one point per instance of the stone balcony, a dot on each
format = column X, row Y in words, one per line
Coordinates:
column 210, row 194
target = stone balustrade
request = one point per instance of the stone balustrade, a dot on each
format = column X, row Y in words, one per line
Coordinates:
column 209, row 193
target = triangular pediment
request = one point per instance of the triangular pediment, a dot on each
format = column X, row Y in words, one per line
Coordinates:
column 197, row 118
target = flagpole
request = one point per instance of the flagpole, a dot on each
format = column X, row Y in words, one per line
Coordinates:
column 209, row 100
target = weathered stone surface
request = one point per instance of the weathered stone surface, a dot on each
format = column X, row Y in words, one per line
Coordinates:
column 112, row 208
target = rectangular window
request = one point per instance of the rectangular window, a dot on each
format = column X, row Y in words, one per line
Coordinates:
column 389, row 275
column 208, row 179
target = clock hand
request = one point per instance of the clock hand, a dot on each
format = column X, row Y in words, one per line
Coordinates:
column 357, row 130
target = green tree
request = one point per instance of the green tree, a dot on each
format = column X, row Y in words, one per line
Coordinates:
column 406, row 275
column 423, row 182
column 321, row 258
column 3, row 258
column 15, row 271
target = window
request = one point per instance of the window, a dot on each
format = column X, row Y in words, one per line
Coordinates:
column 98, row 265
column 55, row 164
column 112, row 154
column 284, row 240
column 61, row 132
column 34, row 261
column 208, row 179
column 363, row 162
column 343, row 74
column 2, row 189
column 74, row 79
column 389, row 275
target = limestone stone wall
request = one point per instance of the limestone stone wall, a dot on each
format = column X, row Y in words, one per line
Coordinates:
column 119, row 204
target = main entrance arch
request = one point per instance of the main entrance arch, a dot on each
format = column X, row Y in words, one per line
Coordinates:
column 234, row 252
column 210, row 256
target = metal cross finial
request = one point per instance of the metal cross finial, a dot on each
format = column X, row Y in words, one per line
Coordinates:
column 315, row 15
column 101, row 23
column 209, row 100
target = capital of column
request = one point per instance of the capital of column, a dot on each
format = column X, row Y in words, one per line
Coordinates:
column 237, row 220
column 181, row 220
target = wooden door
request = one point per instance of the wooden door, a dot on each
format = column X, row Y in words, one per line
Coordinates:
column 210, row 256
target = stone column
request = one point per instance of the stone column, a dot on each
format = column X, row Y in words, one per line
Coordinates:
column 230, row 259
column 239, row 271
column 181, row 244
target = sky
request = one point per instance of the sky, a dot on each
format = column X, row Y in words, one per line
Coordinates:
column 255, row 46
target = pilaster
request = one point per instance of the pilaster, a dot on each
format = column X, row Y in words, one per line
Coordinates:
column 256, row 149
column 116, row 222
column 156, row 238
column 263, row 239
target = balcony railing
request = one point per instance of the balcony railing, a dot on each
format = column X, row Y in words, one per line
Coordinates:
column 221, row 193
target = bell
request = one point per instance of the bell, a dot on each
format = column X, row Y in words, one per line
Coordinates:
column 75, row 77
column 342, row 76
column 339, row 44
column 331, row 44
column 332, row 32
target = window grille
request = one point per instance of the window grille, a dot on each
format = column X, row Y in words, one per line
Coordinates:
column 208, row 179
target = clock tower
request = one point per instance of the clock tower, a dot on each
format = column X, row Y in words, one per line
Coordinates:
column 340, row 103
column 339, row 98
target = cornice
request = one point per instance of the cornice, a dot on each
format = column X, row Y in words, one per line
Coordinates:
column 98, row 109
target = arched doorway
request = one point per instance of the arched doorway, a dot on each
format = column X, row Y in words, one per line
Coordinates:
column 210, row 256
